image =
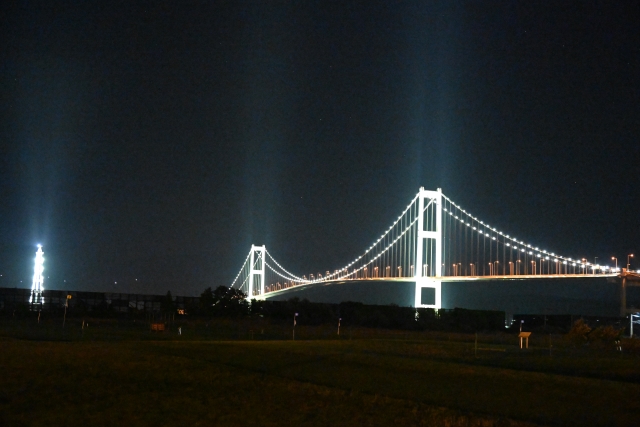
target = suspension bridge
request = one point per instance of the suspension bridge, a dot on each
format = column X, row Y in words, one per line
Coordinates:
column 434, row 240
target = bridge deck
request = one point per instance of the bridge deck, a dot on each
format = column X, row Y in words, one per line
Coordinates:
column 442, row 279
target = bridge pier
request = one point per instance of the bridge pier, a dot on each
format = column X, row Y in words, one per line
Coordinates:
column 627, row 279
column 623, row 297
column 428, row 293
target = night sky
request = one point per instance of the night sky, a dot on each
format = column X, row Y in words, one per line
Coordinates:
column 151, row 143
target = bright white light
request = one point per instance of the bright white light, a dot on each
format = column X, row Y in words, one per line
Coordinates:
column 38, row 280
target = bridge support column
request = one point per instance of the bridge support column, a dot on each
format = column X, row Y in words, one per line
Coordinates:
column 623, row 297
column 428, row 293
column 256, row 272
column 429, row 231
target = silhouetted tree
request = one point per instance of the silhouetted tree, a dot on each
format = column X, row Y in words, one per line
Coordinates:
column 206, row 301
column 230, row 302
column 604, row 336
column 578, row 333
column 167, row 305
column 223, row 302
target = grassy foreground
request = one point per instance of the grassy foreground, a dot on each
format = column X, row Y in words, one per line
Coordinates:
column 408, row 380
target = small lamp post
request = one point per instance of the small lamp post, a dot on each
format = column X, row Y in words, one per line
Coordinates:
column 294, row 326
column 66, row 304
column 339, row 319
column 628, row 263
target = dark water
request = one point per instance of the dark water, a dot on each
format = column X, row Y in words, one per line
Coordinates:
column 590, row 296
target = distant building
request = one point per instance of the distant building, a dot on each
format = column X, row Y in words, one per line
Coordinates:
column 52, row 300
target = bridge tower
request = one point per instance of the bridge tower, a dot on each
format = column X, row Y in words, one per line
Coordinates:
column 429, row 242
column 36, row 299
column 256, row 272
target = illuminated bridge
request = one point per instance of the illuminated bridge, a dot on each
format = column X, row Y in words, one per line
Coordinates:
column 433, row 241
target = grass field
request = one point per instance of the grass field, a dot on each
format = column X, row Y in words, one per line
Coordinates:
column 121, row 374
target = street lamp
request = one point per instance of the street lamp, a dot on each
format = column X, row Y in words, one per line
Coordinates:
column 66, row 304
column 628, row 263
column 339, row 319
column 294, row 326
column 495, row 268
